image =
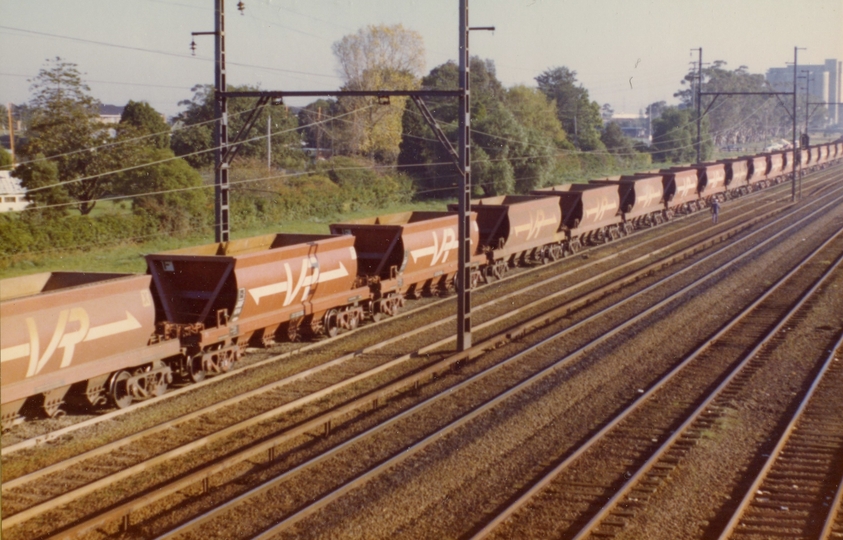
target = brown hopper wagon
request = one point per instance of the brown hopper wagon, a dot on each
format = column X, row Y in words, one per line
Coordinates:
column 79, row 337
column 757, row 171
column 737, row 176
column 590, row 212
column 641, row 199
column 406, row 254
column 711, row 180
column 517, row 229
column 220, row 297
column 680, row 189
column 775, row 167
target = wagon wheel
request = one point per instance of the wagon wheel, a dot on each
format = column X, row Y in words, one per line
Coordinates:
column 118, row 390
column 375, row 312
column 331, row 328
column 159, row 387
column 194, row 369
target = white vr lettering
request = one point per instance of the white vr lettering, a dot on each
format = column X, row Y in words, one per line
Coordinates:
column 648, row 196
column 449, row 242
column 304, row 283
column 535, row 225
column 63, row 339
column 684, row 185
column 600, row 210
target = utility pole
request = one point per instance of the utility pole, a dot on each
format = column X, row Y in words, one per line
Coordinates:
column 318, row 131
column 269, row 142
column 807, row 73
column 221, row 225
column 461, row 157
column 464, row 195
column 11, row 133
column 796, row 164
column 699, row 108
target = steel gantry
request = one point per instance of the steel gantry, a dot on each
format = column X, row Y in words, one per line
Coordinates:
column 225, row 151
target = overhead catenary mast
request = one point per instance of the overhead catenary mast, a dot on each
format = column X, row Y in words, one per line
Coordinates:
column 224, row 152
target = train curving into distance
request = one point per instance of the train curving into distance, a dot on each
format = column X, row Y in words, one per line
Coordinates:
column 92, row 339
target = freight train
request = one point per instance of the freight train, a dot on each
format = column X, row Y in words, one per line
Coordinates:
column 89, row 340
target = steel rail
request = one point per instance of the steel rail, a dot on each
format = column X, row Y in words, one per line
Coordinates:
column 407, row 452
column 172, row 423
column 669, row 443
column 835, row 509
column 30, row 477
column 528, row 495
column 35, row 441
column 164, row 457
column 785, row 437
column 324, row 420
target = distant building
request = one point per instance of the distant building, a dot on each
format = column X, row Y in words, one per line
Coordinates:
column 110, row 114
column 632, row 125
column 825, row 84
column 12, row 194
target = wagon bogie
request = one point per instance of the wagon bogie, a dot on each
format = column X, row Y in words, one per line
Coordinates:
column 254, row 290
column 410, row 253
column 516, row 227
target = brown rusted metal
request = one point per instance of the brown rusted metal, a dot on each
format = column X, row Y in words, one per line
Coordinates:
column 66, row 327
column 680, row 187
column 512, row 226
column 585, row 207
column 422, row 246
column 239, row 288
column 640, row 194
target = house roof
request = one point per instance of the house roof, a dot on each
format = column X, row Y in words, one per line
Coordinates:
column 10, row 185
column 111, row 110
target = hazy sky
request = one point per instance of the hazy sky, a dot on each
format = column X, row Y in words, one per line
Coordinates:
column 627, row 53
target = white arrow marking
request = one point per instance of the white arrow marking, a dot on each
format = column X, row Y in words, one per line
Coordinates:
column 267, row 290
column 13, row 353
column 331, row 275
column 283, row 286
column 110, row 329
column 424, row 252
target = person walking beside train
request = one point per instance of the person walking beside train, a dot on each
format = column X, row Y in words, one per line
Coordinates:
column 715, row 210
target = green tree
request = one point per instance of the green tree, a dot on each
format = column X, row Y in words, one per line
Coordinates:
column 534, row 110
column 193, row 133
column 41, row 178
column 65, row 127
column 579, row 115
column 614, row 139
column 513, row 140
column 737, row 120
column 172, row 192
column 314, row 119
column 146, row 121
column 674, row 137
column 378, row 57
column 5, row 159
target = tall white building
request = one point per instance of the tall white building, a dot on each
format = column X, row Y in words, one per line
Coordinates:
column 825, row 84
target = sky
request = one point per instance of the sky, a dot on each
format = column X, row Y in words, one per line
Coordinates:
column 627, row 53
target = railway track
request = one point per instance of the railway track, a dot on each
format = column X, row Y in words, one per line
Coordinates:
column 322, row 422
column 288, row 524
column 797, row 491
column 297, row 350
column 640, row 448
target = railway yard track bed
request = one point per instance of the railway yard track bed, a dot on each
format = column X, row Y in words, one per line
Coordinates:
column 480, row 466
